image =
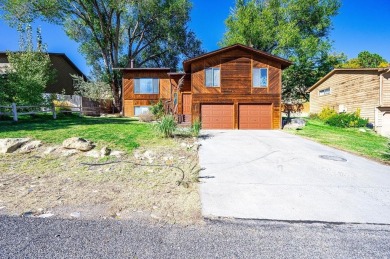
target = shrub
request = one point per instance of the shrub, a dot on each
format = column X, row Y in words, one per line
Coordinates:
column 167, row 126
column 347, row 120
column 326, row 113
column 62, row 106
column 196, row 127
column 146, row 117
column 158, row 110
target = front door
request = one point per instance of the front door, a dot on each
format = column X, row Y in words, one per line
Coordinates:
column 187, row 102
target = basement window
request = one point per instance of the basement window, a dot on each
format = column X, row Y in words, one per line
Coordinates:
column 138, row 110
column 213, row 77
column 323, row 92
column 146, row 85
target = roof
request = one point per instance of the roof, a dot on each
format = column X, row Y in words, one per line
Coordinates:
column 64, row 56
column 380, row 70
column 145, row 69
column 284, row 62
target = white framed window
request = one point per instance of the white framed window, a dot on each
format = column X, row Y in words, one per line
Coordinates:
column 260, row 77
column 146, row 86
column 138, row 110
column 212, row 77
column 323, row 92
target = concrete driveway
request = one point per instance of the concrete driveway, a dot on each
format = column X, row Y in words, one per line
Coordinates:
column 278, row 176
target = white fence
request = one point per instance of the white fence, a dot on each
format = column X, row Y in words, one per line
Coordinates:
column 15, row 110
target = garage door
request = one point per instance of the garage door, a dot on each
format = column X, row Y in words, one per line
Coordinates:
column 217, row 116
column 255, row 117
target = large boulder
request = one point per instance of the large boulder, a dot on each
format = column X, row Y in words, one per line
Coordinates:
column 30, row 146
column 10, row 145
column 78, row 143
column 296, row 124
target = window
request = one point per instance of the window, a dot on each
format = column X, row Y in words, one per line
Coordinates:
column 138, row 110
column 146, row 85
column 213, row 77
column 324, row 92
column 260, row 77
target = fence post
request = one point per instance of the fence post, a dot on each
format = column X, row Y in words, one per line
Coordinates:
column 14, row 112
column 81, row 111
column 53, row 109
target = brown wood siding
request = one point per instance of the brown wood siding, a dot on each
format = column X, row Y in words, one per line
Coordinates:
column 236, row 84
column 254, row 116
column 353, row 89
column 131, row 99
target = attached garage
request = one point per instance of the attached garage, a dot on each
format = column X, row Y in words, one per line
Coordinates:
column 255, row 116
column 217, row 116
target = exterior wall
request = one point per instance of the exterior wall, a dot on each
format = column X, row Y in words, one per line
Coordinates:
column 236, row 83
column 386, row 90
column 353, row 89
column 130, row 99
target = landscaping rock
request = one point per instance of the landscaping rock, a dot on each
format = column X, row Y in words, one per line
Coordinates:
column 70, row 152
column 92, row 153
column 49, row 150
column 295, row 124
column 10, row 145
column 362, row 130
column 46, row 215
column 105, row 151
column 117, row 154
column 78, row 143
column 30, row 146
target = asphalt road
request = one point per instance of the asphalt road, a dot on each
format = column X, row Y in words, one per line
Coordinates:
column 56, row 238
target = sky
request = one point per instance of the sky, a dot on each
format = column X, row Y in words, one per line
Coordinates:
column 360, row 25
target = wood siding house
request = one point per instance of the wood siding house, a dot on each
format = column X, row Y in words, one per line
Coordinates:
column 64, row 68
column 347, row 90
column 236, row 87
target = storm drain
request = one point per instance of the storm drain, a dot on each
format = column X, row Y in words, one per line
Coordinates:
column 333, row 158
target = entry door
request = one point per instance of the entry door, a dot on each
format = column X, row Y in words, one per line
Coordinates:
column 187, row 102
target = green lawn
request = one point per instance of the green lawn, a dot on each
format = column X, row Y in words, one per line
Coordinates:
column 368, row 144
column 122, row 133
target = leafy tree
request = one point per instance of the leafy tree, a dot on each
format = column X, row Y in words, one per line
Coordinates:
column 294, row 29
column 29, row 73
column 95, row 90
column 113, row 32
column 366, row 59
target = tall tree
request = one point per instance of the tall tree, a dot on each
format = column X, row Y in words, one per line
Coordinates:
column 30, row 71
column 113, row 32
column 294, row 29
column 366, row 59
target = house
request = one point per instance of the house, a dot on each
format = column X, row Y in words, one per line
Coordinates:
column 236, row 87
column 64, row 68
column 347, row 90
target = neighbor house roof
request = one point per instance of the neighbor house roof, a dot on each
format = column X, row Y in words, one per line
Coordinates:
column 344, row 69
column 284, row 62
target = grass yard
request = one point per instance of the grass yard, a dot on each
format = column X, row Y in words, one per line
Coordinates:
column 367, row 144
column 121, row 133
column 156, row 179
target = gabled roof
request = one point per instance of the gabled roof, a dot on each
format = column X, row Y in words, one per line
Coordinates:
column 62, row 55
column 379, row 70
column 284, row 62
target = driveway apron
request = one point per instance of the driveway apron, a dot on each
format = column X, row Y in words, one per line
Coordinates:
column 278, row 176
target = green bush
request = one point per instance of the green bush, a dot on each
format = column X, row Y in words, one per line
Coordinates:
column 326, row 113
column 167, row 126
column 158, row 110
column 196, row 127
column 347, row 120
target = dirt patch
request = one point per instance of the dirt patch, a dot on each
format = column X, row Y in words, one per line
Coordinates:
column 159, row 183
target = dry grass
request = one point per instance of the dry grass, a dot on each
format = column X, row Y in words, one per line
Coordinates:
column 132, row 189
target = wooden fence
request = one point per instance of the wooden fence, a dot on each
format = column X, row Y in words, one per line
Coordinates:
column 15, row 110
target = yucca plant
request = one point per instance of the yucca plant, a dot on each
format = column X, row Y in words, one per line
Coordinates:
column 167, row 126
column 196, row 127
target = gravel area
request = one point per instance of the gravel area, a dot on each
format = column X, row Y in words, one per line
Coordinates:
column 61, row 238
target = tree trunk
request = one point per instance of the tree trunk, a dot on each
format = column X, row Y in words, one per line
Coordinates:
column 117, row 94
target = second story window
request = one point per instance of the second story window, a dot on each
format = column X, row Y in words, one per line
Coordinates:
column 146, row 85
column 324, row 92
column 213, row 77
column 260, row 77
